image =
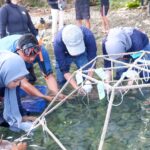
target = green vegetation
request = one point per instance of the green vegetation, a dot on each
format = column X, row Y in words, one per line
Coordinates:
column 35, row 3
column 125, row 3
column 133, row 4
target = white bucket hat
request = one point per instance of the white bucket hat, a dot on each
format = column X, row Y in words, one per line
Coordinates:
column 72, row 36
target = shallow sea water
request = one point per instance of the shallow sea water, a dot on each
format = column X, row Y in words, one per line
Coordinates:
column 78, row 125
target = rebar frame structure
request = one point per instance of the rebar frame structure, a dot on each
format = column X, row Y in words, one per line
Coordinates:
column 123, row 85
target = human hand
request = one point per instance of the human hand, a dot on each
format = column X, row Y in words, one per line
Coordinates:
column 48, row 98
column 51, row 96
column 19, row 146
column 81, row 91
column 13, row 146
column 87, row 86
column 62, row 96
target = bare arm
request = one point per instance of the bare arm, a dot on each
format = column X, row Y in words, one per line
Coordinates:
column 109, row 75
column 51, row 83
column 31, row 90
column 72, row 81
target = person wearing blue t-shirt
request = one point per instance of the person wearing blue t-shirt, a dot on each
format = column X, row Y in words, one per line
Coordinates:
column 28, row 48
column 73, row 44
column 123, row 40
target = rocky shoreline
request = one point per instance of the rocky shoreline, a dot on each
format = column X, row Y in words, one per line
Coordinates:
column 122, row 17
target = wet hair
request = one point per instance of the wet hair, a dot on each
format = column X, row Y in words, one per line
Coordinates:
column 26, row 39
column 7, row 1
column 28, row 44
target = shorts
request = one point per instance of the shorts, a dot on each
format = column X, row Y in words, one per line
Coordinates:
column 54, row 6
column 104, row 10
column 82, row 9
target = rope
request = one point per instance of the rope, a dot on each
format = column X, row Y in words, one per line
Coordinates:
column 45, row 129
column 112, row 86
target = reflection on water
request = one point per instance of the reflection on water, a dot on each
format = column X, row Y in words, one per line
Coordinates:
column 78, row 125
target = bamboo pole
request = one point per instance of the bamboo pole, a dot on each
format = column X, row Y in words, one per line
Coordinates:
column 45, row 128
column 36, row 122
column 55, row 139
column 129, row 66
column 106, row 120
column 108, row 114
column 111, row 103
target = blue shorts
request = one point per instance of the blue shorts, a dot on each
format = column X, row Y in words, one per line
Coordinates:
column 82, row 8
column 104, row 10
column 54, row 6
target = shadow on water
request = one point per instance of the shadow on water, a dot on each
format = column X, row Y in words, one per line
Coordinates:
column 78, row 125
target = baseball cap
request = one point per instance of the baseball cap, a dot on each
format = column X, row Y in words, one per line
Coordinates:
column 115, row 47
column 29, row 44
column 72, row 36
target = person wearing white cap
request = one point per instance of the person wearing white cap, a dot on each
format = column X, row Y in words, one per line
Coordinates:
column 73, row 44
column 122, row 40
